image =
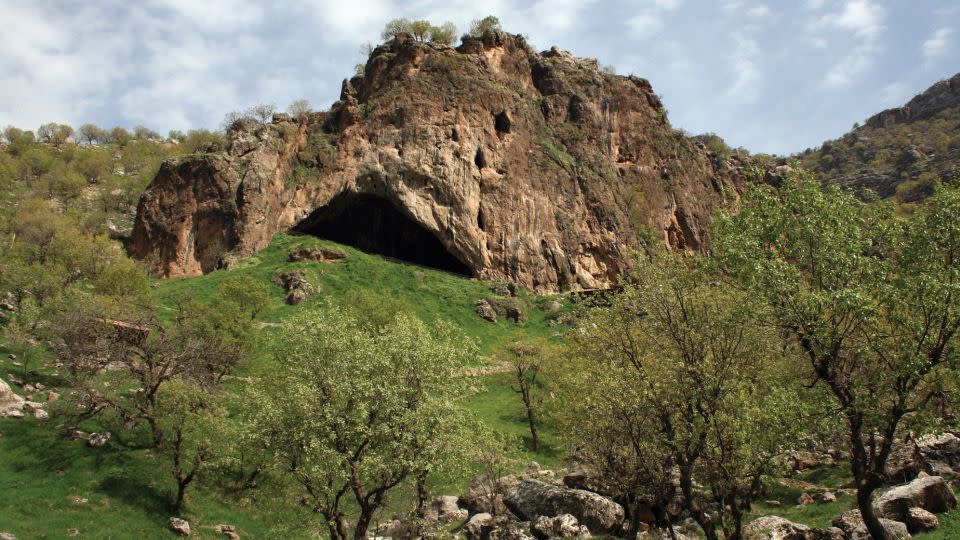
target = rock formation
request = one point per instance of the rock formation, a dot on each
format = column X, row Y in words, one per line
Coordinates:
column 489, row 160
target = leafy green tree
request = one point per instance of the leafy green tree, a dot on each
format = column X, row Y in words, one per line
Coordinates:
column 486, row 25
column 120, row 136
column 669, row 377
column 870, row 301
column 420, row 29
column 91, row 133
column 395, row 27
column 353, row 414
column 144, row 133
column 93, row 163
column 445, row 33
column 55, row 134
column 299, row 109
column 193, row 422
column 526, row 359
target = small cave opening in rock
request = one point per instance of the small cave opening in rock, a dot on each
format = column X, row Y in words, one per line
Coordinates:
column 374, row 225
column 502, row 123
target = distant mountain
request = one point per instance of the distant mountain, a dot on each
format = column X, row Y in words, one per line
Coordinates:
column 898, row 153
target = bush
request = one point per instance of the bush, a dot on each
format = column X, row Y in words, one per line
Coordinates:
column 488, row 24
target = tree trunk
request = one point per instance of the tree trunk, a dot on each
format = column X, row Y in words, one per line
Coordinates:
column 686, row 487
column 870, row 519
column 532, row 420
column 363, row 523
column 181, row 494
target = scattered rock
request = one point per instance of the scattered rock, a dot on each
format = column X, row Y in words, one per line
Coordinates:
column 504, row 288
column 29, row 388
column 11, row 405
column 478, row 523
column 8, row 302
column 529, row 499
column 825, row 497
column 805, row 499
column 446, row 510
column 935, row 454
column 851, row 523
column 919, row 520
column 41, row 414
column 315, row 253
column 485, row 495
column 485, row 310
column 295, row 283
column 227, row 530
column 552, row 305
column 931, row 494
column 7, row 536
column 773, row 503
column 52, row 396
column 508, row 308
column 778, row 528
column 73, row 532
column 562, row 526
column 96, row 440
column 180, row 526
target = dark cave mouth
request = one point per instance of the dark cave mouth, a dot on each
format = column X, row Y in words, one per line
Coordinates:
column 373, row 225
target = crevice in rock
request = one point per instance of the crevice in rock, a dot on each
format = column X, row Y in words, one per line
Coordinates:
column 480, row 160
column 501, row 122
column 374, row 225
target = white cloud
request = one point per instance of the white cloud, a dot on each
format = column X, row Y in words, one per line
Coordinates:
column 645, row 24
column 667, row 4
column 758, row 11
column 863, row 22
column 937, row 45
column 748, row 75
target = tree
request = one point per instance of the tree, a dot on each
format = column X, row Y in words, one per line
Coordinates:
column 90, row 133
column 668, row 379
column 396, row 27
column 192, row 421
column 353, row 414
column 93, row 163
column 526, row 359
column 119, row 136
column 144, row 133
column 869, row 300
column 445, row 34
column 486, row 25
column 55, row 134
column 262, row 113
column 420, row 29
column 299, row 109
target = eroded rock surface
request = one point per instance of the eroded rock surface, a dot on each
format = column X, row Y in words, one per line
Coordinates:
column 490, row 160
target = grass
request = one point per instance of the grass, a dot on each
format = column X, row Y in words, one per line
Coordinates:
column 127, row 489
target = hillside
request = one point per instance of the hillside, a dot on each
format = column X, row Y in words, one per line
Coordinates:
column 898, row 153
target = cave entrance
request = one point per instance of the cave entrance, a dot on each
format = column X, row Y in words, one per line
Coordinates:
column 372, row 224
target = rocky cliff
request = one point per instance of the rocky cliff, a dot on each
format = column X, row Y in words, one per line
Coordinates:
column 490, row 160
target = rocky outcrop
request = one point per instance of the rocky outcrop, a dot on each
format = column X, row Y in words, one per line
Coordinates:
column 11, row 404
column 935, row 454
column 942, row 95
column 490, row 160
column 851, row 523
column 778, row 528
column 930, row 493
column 530, row 499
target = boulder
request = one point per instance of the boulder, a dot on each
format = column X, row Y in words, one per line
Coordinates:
column 484, row 526
column 11, row 405
column 180, row 526
column 919, row 520
column 529, row 499
column 851, row 523
column 562, row 526
column 511, row 531
column 7, row 536
column 825, row 497
column 804, row 499
column 314, row 253
column 508, row 308
column 485, row 310
column 96, row 440
column 446, row 510
column 778, row 528
column 930, row 493
column 295, row 283
column 485, row 495
column 934, row 454
column 8, row 302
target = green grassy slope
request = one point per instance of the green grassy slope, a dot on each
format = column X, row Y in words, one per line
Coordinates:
column 44, row 474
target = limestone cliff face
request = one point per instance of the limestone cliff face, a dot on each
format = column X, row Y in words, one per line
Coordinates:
column 539, row 169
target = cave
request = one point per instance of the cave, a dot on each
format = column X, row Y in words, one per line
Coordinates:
column 374, row 225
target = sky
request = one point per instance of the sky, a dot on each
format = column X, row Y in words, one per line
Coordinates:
column 770, row 76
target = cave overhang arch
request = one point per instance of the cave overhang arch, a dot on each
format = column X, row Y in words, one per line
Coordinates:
column 373, row 224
